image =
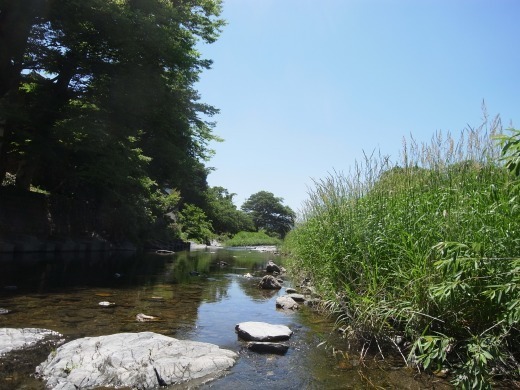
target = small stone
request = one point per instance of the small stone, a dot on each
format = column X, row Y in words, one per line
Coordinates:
column 106, row 303
column 442, row 373
column 145, row 318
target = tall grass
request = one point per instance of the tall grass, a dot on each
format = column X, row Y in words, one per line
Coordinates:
column 426, row 248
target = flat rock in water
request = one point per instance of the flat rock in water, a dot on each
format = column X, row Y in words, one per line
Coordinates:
column 286, row 303
column 143, row 360
column 262, row 331
column 20, row 338
column 268, row 347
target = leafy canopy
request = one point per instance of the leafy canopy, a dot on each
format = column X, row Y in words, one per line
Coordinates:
column 269, row 213
column 97, row 102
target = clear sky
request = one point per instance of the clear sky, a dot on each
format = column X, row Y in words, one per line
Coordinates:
column 305, row 86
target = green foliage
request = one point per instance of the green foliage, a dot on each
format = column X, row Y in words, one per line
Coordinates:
column 269, row 213
column 511, row 150
column 511, row 156
column 195, row 224
column 252, row 239
column 101, row 94
column 427, row 249
column 223, row 213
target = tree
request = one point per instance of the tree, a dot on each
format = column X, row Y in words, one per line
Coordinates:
column 97, row 100
column 224, row 215
column 269, row 213
column 195, row 224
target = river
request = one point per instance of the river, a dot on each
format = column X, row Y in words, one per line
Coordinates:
column 196, row 295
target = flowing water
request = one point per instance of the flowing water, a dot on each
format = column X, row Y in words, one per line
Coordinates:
column 197, row 295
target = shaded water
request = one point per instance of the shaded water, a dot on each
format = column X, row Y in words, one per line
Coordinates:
column 198, row 295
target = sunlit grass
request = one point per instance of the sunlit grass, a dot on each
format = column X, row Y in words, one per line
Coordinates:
column 425, row 248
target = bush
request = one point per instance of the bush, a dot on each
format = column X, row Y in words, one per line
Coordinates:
column 195, row 225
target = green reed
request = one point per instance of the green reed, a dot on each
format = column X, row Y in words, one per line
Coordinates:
column 426, row 248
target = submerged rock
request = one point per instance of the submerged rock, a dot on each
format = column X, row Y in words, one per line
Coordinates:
column 137, row 360
column 21, row 338
column 262, row 331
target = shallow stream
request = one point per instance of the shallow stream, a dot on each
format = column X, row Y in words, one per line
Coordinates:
column 197, row 295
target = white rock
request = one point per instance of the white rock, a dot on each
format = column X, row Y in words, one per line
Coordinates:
column 14, row 338
column 262, row 331
column 143, row 360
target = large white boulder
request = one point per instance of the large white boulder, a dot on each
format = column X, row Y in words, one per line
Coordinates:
column 138, row 360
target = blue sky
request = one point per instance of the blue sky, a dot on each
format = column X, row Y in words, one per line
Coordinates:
column 305, row 86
